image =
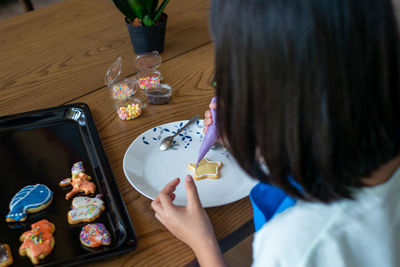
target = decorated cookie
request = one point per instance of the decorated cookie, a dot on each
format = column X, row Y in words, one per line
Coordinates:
column 205, row 169
column 6, row 258
column 77, row 168
column 30, row 199
column 80, row 181
column 85, row 209
column 38, row 242
column 95, row 235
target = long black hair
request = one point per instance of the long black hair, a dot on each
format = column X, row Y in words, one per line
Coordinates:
column 311, row 87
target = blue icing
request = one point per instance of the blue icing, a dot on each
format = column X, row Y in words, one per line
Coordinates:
column 29, row 197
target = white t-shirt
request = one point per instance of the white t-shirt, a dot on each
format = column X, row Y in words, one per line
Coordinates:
column 362, row 232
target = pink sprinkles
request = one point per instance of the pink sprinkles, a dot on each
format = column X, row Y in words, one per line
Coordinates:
column 94, row 235
column 149, row 82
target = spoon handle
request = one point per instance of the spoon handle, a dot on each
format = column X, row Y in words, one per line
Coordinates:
column 193, row 119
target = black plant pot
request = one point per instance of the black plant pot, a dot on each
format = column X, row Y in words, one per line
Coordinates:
column 148, row 39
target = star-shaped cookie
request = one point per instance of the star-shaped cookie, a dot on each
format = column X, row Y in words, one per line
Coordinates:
column 205, row 169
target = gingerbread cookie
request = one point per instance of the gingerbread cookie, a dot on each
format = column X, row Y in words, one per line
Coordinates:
column 30, row 199
column 95, row 235
column 85, row 209
column 6, row 258
column 80, row 181
column 205, row 169
column 38, row 242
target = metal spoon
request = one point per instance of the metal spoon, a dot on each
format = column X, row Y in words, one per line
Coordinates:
column 167, row 141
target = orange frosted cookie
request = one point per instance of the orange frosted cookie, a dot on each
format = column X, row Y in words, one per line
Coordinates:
column 205, row 169
column 80, row 181
column 38, row 242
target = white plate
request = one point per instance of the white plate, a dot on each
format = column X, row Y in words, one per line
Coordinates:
column 148, row 169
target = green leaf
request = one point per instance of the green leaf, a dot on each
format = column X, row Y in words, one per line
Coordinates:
column 137, row 7
column 154, row 8
column 148, row 5
column 147, row 21
column 160, row 10
column 125, row 9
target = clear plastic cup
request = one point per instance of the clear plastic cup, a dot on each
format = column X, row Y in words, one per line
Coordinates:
column 159, row 95
column 148, row 75
column 129, row 109
column 126, row 105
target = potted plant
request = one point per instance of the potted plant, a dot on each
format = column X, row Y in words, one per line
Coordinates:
column 146, row 23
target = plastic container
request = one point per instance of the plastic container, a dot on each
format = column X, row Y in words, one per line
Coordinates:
column 148, row 75
column 159, row 95
column 148, row 79
column 129, row 109
column 122, row 91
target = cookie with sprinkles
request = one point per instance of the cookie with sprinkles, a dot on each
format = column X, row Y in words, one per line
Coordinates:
column 85, row 209
column 94, row 235
column 38, row 242
column 6, row 258
column 80, row 181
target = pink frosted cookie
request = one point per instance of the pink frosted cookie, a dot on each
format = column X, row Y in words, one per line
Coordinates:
column 95, row 235
column 38, row 242
column 85, row 209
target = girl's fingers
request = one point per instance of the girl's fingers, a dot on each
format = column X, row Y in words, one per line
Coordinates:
column 207, row 121
column 166, row 193
column 191, row 191
column 208, row 114
column 165, row 200
column 172, row 196
column 170, row 187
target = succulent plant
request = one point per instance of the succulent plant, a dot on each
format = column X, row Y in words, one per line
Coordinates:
column 147, row 11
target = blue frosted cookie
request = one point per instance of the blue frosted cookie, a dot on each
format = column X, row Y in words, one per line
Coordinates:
column 30, row 199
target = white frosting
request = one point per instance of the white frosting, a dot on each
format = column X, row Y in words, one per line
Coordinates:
column 85, row 208
column 79, row 202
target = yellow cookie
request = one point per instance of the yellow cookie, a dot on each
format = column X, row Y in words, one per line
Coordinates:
column 205, row 169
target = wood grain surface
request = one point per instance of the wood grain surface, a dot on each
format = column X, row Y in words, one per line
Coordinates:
column 56, row 54
column 59, row 55
column 190, row 77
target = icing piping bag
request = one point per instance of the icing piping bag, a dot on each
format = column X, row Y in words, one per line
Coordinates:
column 210, row 136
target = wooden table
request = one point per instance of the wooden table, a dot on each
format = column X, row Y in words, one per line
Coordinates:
column 59, row 54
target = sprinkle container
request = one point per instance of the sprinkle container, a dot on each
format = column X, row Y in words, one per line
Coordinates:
column 126, row 105
column 129, row 109
column 148, row 75
column 159, row 95
column 120, row 89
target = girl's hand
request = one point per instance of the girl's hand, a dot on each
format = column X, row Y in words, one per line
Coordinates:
column 208, row 121
column 190, row 224
column 208, row 118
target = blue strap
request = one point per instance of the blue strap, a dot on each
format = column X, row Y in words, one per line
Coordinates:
column 267, row 201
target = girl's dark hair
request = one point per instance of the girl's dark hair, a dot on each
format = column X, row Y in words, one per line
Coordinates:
column 311, row 87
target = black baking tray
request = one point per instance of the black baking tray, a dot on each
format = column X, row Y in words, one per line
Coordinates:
column 41, row 147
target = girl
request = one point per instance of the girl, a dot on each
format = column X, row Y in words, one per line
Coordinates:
column 311, row 88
